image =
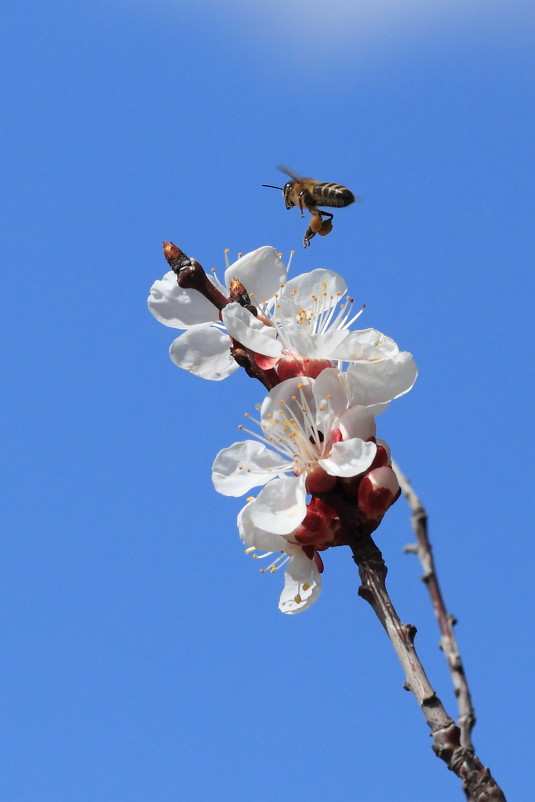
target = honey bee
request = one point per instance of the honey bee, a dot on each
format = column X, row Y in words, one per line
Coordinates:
column 307, row 193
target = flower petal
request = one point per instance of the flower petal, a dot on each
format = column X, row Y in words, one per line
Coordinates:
column 205, row 351
column 349, row 457
column 318, row 346
column 357, row 421
column 261, row 272
column 252, row 535
column 288, row 401
column 179, row 308
column 251, row 332
column 366, row 344
column 380, row 382
column 244, row 465
column 281, row 505
column 321, row 285
column 331, row 398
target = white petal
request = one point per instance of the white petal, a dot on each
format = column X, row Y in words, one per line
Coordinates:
column 357, row 421
column 205, row 352
column 349, row 457
column 179, row 308
column 318, row 346
column 318, row 284
column 367, row 344
column 376, row 409
column 261, row 272
column 252, row 535
column 331, row 398
column 283, row 393
column 279, row 405
column 302, row 585
column 281, row 505
column 251, row 332
column 244, row 465
column 379, row 382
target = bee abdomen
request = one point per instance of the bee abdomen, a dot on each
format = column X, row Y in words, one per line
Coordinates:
column 327, row 194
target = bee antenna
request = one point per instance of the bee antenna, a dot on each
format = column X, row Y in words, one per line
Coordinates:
column 271, row 186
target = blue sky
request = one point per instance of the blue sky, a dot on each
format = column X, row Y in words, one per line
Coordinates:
column 144, row 657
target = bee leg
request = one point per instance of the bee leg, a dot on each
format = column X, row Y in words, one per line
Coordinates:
column 308, row 236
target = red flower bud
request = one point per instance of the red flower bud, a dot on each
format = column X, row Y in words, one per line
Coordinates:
column 377, row 491
column 291, row 366
column 319, row 481
column 381, row 459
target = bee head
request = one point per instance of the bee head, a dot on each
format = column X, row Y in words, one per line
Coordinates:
column 287, row 192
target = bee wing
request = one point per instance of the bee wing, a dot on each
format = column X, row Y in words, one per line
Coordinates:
column 288, row 170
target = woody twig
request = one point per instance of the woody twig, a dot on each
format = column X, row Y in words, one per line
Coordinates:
column 446, row 621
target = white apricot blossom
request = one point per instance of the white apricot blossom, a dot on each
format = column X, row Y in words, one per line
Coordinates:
column 308, row 431
column 309, row 316
column 204, row 348
column 309, row 320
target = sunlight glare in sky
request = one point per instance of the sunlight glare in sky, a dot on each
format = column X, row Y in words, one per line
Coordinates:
column 365, row 23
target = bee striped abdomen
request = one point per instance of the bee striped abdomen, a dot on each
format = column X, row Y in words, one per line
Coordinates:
column 327, row 194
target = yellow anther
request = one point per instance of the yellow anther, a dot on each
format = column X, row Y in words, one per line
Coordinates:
column 297, row 599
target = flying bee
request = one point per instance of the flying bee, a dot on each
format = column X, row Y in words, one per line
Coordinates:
column 307, row 193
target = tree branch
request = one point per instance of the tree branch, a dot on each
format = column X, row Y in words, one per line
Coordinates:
column 478, row 783
column 446, row 621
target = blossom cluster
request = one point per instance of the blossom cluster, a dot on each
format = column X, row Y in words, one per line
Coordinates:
column 323, row 473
